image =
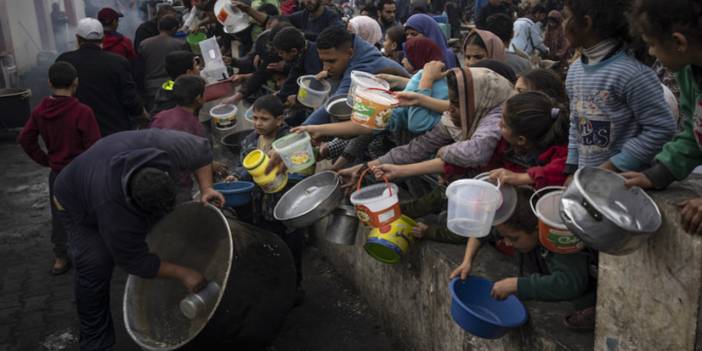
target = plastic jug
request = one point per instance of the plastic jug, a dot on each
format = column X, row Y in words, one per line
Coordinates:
column 256, row 163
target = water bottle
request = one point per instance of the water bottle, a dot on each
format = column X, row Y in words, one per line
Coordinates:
column 194, row 304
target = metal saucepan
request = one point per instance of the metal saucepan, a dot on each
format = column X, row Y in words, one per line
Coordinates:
column 606, row 215
column 343, row 225
column 309, row 200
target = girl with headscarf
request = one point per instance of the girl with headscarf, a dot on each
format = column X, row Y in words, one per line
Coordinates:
column 425, row 26
column 555, row 40
column 420, row 51
column 481, row 45
column 366, row 28
column 466, row 135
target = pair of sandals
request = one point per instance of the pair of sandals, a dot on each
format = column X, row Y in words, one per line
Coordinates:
column 63, row 269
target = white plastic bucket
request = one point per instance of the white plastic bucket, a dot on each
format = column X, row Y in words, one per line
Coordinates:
column 313, row 92
column 296, row 151
column 224, row 116
column 372, row 108
column 471, row 207
column 364, row 80
column 508, row 201
column 376, row 205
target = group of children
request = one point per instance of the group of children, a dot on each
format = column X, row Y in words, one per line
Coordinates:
column 457, row 122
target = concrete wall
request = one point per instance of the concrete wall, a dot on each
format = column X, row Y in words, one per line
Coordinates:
column 413, row 301
column 650, row 299
column 22, row 14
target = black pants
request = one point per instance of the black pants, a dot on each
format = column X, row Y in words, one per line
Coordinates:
column 93, row 272
column 58, row 234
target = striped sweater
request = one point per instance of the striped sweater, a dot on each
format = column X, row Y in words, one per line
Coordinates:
column 618, row 113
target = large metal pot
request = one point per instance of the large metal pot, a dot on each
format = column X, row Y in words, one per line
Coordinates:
column 309, row 200
column 14, row 103
column 343, row 225
column 254, row 268
column 606, row 215
column 233, row 141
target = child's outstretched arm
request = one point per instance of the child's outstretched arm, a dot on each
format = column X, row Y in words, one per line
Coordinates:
column 464, row 269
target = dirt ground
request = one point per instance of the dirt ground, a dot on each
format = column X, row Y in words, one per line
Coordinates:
column 37, row 310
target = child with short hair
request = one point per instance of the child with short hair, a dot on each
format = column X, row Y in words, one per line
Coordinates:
column 178, row 63
column 187, row 94
column 269, row 125
column 619, row 118
column 67, row 128
column 557, row 277
column 673, row 31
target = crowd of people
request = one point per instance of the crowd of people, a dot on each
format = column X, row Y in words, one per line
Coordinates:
column 530, row 93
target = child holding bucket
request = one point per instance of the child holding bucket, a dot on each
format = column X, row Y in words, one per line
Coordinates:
column 672, row 30
column 555, row 277
column 532, row 152
column 269, row 125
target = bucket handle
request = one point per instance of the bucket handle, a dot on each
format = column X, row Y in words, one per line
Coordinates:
column 541, row 192
column 363, row 174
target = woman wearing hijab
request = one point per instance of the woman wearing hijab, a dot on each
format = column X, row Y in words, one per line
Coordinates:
column 555, row 40
column 421, row 25
column 466, row 136
column 482, row 45
column 420, row 51
column 366, row 28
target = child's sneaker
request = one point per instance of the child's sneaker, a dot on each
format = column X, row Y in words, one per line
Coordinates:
column 582, row 320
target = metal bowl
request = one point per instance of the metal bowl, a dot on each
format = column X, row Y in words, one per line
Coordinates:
column 606, row 215
column 309, row 200
column 339, row 109
column 233, row 141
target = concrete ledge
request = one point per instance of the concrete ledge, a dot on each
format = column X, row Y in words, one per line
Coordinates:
column 413, row 301
column 650, row 299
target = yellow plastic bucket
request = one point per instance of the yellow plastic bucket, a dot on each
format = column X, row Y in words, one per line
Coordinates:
column 388, row 244
column 256, row 163
column 372, row 108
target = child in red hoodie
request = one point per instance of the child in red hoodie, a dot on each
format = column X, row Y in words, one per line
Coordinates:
column 67, row 128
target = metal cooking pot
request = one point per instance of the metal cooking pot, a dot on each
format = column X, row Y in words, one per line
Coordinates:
column 605, row 214
column 233, row 141
column 343, row 225
column 254, row 269
column 309, row 200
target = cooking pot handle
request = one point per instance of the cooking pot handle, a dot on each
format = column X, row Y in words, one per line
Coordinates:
column 537, row 195
column 596, row 215
column 363, row 174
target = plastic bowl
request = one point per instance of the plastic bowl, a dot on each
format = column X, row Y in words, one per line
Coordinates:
column 235, row 193
column 478, row 313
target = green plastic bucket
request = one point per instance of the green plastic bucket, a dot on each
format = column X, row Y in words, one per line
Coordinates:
column 194, row 39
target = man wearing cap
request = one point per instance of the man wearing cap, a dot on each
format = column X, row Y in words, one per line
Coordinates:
column 106, row 81
column 108, row 198
column 112, row 40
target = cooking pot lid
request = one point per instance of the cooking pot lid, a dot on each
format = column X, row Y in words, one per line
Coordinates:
column 306, row 195
column 630, row 209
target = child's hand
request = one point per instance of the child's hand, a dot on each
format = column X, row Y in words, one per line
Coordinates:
column 504, row 288
column 434, row 70
column 637, row 179
column 290, row 101
column 219, row 169
column 314, row 131
column 387, row 170
column 350, row 177
column 275, row 161
column 393, row 80
column 231, row 178
column 323, row 151
column 276, row 66
column 419, row 230
column 691, row 215
column 463, row 270
column 506, row 176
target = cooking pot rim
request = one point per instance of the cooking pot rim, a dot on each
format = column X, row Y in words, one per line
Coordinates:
column 131, row 280
column 584, row 194
column 336, row 188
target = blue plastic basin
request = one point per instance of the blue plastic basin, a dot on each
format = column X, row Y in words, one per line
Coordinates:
column 235, row 193
column 478, row 313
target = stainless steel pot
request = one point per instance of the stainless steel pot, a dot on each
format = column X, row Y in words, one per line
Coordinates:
column 254, row 269
column 343, row 225
column 605, row 214
column 309, row 200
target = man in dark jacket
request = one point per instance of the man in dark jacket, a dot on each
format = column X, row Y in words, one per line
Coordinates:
column 149, row 28
column 493, row 7
column 113, row 41
column 106, row 82
column 108, row 198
